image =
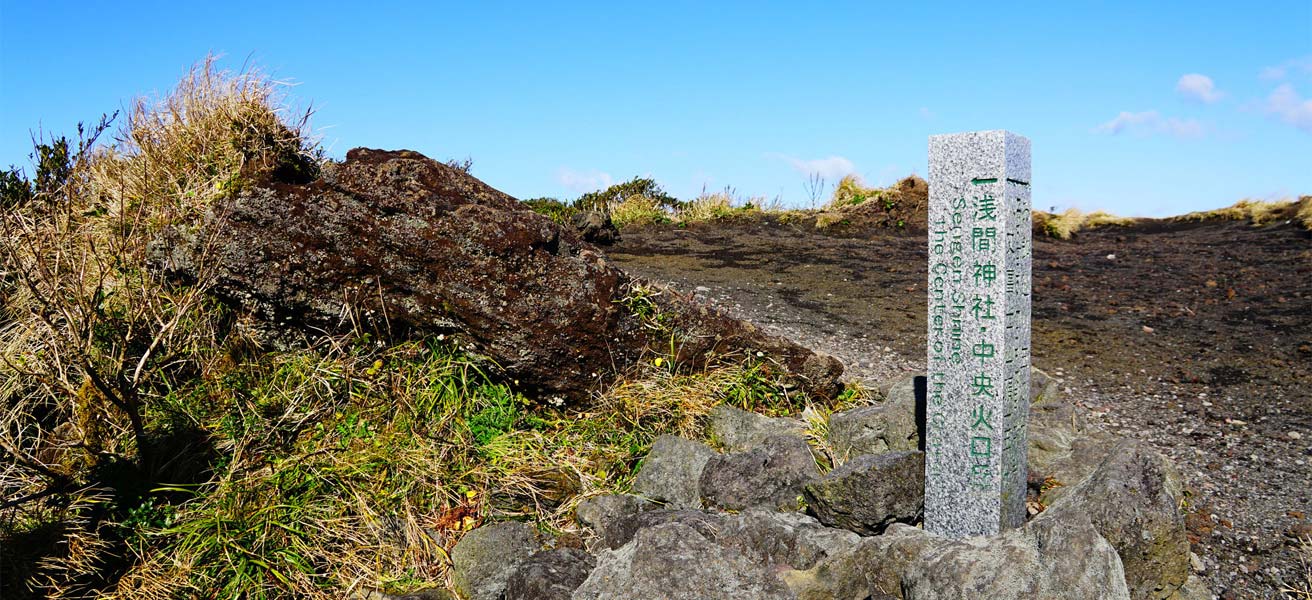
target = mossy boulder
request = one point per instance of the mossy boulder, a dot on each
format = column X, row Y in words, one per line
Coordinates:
column 1133, row 500
column 398, row 246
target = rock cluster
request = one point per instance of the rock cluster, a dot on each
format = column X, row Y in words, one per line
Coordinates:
column 756, row 519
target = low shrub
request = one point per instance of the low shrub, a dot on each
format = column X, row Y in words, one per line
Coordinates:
column 619, row 193
column 553, row 209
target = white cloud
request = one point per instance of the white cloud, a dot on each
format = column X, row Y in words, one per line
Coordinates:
column 1285, row 104
column 926, row 114
column 833, row 167
column 1198, row 87
column 581, row 182
column 1278, row 72
column 1151, row 122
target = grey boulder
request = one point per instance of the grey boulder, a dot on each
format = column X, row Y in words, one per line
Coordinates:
column 676, row 562
column 1048, row 559
column 550, row 575
column 885, row 426
column 484, row 559
column 603, row 514
column 770, row 475
column 671, row 472
column 625, row 528
column 738, row 430
column 783, row 539
column 1132, row 499
column 869, row 493
column 595, row 226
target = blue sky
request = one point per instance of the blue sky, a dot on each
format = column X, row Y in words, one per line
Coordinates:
column 1135, row 107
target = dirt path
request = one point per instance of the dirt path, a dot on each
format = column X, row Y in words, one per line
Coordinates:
column 1195, row 337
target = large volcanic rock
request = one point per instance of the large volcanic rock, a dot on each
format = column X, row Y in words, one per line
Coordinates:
column 404, row 246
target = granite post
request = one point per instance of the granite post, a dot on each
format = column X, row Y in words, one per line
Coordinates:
column 977, row 389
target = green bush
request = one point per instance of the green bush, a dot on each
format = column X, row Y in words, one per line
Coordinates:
column 552, row 208
column 618, row 193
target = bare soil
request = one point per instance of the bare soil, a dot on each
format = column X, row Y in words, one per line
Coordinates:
column 1194, row 336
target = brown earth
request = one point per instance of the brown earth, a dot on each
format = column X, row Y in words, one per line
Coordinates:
column 1196, row 337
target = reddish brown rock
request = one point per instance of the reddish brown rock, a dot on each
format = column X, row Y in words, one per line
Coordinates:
column 404, row 246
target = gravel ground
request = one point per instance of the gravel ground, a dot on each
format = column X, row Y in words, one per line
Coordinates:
column 1194, row 337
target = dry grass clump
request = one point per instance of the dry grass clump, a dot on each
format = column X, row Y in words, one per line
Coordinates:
column 1060, row 226
column 180, row 152
column 638, row 210
column 1304, row 213
column 902, row 206
column 707, row 207
column 723, row 205
column 1256, row 212
column 1072, row 220
column 641, row 209
column 1100, row 218
column 851, row 191
column 93, row 342
column 1301, row 589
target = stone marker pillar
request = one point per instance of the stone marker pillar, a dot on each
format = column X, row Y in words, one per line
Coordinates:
column 978, row 379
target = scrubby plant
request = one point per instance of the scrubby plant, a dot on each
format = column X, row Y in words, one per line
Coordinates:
column 93, row 340
column 1304, row 213
column 1061, row 226
column 644, row 187
column 464, row 165
column 1070, row 221
column 851, row 191
column 638, row 210
column 553, row 209
column 707, row 207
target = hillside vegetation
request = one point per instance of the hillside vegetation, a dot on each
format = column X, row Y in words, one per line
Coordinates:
column 853, row 206
column 154, row 446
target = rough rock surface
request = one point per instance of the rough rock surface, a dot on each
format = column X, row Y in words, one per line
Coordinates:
column 887, row 425
column 769, row 475
column 869, row 493
column 783, row 539
column 549, row 575
column 1048, row 559
column 484, row 559
column 1133, row 500
column 595, row 226
column 602, row 514
column 403, row 245
column 625, row 528
column 1193, row 589
column 676, row 562
column 671, row 472
column 1062, row 445
column 873, row 569
column 738, row 430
